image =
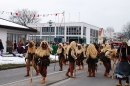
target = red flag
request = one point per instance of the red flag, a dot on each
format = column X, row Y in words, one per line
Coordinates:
column 34, row 15
column 56, row 14
column 16, row 14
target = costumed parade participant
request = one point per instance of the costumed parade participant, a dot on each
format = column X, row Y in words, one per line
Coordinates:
column 30, row 58
column 65, row 48
column 84, row 51
column 61, row 55
column 123, row 66
column 71, row 58
column 106, row 59
column 91, row 59
column 42, row 53
column 80, row 56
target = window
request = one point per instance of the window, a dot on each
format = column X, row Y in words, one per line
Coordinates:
column 90, row 32
column 73, row 30
column 84, row 30
column 60, row 30
column 48, row 29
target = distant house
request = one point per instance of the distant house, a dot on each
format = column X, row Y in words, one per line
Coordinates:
column 10, row 31
column 100, row 35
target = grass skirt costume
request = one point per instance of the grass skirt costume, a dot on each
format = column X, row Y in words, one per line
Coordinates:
column 122, row 69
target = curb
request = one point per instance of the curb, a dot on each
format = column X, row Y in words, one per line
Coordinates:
column 13, row 67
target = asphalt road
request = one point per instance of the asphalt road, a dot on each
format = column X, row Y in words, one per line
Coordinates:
column 15, row 77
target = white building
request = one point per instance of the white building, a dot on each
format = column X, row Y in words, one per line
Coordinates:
column 10, row 31
column 66, row 31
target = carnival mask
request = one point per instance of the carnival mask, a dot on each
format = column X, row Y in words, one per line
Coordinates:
column 44, row 45
column 30, row 44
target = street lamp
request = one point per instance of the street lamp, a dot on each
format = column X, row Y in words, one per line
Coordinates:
column 50, row 24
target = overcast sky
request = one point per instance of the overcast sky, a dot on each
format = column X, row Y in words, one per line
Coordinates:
column 101, row 13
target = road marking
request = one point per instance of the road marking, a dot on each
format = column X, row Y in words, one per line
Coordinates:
column 29, row 78
column 32, row 78
column 60, row 82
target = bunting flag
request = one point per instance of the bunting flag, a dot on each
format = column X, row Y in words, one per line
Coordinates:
column 33, row 15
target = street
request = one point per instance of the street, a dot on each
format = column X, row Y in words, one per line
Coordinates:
column 15, row 77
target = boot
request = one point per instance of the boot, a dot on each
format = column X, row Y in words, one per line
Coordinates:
column 60, row 68
column 78, row 68
column 72, row 76
column 67, row 74
column 126, row 84
column 27, row 74
column 93, row 74
column 83, row 67
column 89, row 74
column 43, row 80
column 108, row 75
column 105, row 73
column 118, row 84
column 37, row 72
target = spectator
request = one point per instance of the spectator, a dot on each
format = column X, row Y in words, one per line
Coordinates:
column 14, row 48
column 1, row 48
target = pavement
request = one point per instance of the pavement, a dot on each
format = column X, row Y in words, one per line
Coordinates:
column 15, row 77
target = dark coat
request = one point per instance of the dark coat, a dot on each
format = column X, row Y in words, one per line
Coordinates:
column 1, row 45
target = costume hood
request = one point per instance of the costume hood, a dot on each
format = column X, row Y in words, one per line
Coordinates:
column 91, row 50
column 32, row 49
column 40, row 52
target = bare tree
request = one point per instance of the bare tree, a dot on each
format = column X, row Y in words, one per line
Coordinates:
column 126, row 30
column 25, row 16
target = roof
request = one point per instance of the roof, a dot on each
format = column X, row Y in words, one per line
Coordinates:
column 14, row 26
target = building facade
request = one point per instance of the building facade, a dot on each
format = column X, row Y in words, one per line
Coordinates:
column 66, row 31
column 10, row 31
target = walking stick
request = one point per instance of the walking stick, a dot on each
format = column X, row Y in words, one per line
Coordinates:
column 113, row 68
column 75, row 69
column 55, row 63
column 31, row 71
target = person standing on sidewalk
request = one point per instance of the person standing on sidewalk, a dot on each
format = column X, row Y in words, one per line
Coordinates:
column 71, row 58
column 14, row 47
column 43, row 52
column 1, row 48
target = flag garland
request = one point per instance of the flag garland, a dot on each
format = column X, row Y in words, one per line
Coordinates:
column 34, row 15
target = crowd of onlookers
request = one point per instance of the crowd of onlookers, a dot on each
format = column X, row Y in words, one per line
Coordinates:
column 21, row 47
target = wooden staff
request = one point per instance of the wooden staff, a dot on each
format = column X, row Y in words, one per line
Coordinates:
column 55, row 63
column 32, row 71
column 75, row 69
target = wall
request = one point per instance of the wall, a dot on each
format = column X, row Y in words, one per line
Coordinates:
column 3, row 37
